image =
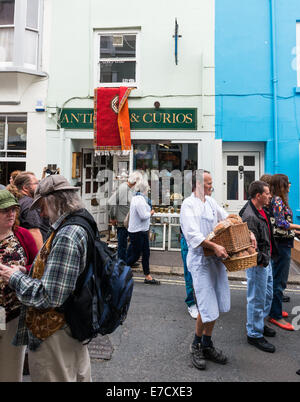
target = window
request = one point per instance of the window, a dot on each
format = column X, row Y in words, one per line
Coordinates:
column 13, row 136
column 20, row 28
column 116, row 55
column 7, row 14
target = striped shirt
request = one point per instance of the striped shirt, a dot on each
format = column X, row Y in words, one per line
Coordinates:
column 67, row 259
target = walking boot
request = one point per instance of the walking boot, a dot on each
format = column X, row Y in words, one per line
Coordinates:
column 198, row 359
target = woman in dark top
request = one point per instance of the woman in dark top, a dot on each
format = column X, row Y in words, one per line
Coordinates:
column 17, row 247
column 284, row 232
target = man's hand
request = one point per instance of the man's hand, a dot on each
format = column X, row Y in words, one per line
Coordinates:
column 6, row 272
column 253, row 240
column 152, row 212
column 220, row 251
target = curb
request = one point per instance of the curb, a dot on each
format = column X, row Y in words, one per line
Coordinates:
column 164, row 270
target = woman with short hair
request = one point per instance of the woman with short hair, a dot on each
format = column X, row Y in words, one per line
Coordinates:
column 138, row 229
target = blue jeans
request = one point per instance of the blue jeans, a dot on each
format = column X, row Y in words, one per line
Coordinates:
column 122, row 234
column 187, row 275
column 281, row 267
column 259, row 298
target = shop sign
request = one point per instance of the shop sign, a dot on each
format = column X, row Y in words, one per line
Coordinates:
column 140, row 119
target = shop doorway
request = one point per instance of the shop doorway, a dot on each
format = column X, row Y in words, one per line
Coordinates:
column 239, row 170
column 7, row 167
column 92, row 165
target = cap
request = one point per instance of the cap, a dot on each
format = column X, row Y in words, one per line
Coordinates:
column 50, row 185
column 7, row 200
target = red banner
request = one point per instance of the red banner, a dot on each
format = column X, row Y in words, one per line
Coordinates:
column 111, row 119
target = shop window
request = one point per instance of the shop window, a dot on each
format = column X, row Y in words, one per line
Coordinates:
column 13, row 136
column 117, row 54
column 167, row 159
column 20, row 37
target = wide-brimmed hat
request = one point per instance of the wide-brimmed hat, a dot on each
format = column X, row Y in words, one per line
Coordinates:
column 7, row 200
column 50, row 185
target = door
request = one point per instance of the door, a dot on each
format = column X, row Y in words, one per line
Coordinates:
column 91, row 166
column 240, row 169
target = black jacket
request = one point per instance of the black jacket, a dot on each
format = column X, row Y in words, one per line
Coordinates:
column 258, row 225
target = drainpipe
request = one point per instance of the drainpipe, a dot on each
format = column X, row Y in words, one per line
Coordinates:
column 275, row 84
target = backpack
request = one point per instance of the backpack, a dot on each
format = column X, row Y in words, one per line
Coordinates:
column 101, row 299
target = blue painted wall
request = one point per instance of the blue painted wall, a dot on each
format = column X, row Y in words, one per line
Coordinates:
column 244, row 90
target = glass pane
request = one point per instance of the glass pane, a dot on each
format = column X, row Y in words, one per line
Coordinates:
column 31, row 43
column 87, row 187
column 156, row 236
column 16, row 154
column 249, row 160
column 32, row 18
column 232, row 185
column 117, row 46
column 88, row 173
column 175, row 236
column 95, row 187
column 7, row 12
column 87, row 159
column 117, row 71
column 232, row 160
column 6, row 44
column 249, row 177
column 17, row 132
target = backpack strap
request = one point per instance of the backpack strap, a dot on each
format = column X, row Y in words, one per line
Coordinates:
column 81, row 221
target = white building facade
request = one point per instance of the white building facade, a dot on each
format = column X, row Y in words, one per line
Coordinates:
column 24, row 51
column 172, row 106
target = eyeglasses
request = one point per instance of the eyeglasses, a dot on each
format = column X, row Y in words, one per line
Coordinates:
column 8, row 210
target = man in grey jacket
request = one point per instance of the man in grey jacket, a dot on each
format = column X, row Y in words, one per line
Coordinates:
column 118, row 207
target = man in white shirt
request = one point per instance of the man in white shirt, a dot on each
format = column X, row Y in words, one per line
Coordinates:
column 199, row 215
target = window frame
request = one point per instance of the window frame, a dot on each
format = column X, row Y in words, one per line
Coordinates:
column 97, row 59
column 20, row 27
column 5, row 149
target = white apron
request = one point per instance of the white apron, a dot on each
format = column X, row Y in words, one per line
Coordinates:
column 209, row 275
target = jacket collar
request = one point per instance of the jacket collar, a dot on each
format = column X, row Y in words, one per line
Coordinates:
column 256, row 211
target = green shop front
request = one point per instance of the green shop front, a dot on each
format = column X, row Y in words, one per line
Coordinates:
column 163, row 140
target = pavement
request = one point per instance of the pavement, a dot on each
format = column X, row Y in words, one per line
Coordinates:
column 168, row 263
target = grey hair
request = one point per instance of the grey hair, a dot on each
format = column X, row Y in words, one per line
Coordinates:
column 61, row 202
column 142, row 186
column 135, row 177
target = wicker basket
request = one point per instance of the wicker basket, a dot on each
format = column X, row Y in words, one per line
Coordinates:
column 240, row 263
column 234, row 239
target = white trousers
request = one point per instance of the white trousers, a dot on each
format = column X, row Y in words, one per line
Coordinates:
column 60, row 358
column 11, row 357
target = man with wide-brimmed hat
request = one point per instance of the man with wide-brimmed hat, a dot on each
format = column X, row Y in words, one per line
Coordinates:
column 53, row 354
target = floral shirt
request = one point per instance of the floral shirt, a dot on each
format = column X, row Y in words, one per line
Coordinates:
column 281, row 219
column 282, row 214
column 11, row 253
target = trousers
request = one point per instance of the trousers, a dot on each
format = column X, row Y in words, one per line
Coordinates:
column 11, row 357
column 139, row 245
column 187, row 275
column 60, row 358
column 259, row 298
